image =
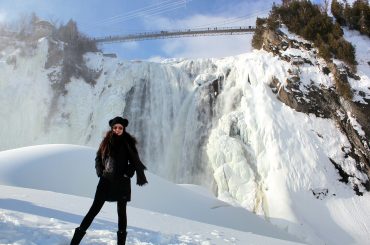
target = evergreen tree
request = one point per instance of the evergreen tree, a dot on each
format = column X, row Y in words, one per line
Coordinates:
column 337, row 10
column 356, row 12
column 257, row 39
column 324, row 51
column 325, row 6
column 347, row 13
column 361, row 10
column 337, row 30
column 366, row 20
column 272, row 22
column 358, row 16
column 68, row 33
column 306, row 19
column 286, row 2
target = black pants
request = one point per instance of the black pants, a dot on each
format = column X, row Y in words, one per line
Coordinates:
column 95, row 209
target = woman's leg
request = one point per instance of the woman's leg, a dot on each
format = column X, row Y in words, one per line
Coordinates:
column 122, row 222
column 86, row 222
column 94, row 210
column 122, row 215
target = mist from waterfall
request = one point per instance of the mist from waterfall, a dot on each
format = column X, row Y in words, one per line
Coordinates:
column 168, row 119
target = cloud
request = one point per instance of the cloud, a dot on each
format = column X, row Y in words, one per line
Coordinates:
column 3, row 16
column 208, row 46
column 156, row 59
column 130, row 45
column 211, row 46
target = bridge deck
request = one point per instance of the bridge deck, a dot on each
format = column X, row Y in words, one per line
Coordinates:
column 178, row 33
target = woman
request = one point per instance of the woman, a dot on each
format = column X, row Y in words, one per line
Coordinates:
column 116, row 162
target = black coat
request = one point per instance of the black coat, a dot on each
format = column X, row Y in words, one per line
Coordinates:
column 116, row 185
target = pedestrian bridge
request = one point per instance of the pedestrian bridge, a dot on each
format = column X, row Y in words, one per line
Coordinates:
column 209, row 31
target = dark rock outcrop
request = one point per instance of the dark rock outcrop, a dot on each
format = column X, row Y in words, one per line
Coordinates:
column 334, row 102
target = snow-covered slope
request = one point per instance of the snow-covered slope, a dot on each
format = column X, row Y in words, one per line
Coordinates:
column 214, row 122
column 160, row 213
column 28, row 218
column 361, row 43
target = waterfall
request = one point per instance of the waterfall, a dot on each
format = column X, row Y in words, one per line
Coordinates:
column 169, row 120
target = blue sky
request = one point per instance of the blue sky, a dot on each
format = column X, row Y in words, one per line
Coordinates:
column 111, row 17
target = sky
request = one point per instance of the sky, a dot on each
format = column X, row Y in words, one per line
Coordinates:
column 114, row 17
column 97, row 18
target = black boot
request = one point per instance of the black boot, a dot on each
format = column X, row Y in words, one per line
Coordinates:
column 121, row 237
column 77, row 237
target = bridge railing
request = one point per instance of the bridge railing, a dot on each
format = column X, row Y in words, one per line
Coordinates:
column 176, row 33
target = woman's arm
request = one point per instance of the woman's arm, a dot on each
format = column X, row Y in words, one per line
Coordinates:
column 99, row 164
column 134, row 160
column 136, row 165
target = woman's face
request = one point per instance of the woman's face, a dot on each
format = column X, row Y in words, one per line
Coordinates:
column 117, row 129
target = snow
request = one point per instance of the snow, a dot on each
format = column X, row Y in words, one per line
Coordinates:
column 278, row 185
column 241, row 143
column 25, row 86
column 26, row 217
column 309, row 74
column 292, row 35
column 160, row 213
column 202, row 78
column 361, row 44
column 356, row 125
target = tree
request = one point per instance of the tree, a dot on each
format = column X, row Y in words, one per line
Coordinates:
column 357, row 16
column 257, row 39
column 346, row 52
column 337, row 30
column 308, row 20
column 367, row 20
column 347, row 13
column 337, row 10
column 286, row 2
column 26, row 25
column 69, row 32
column 272, row 21
column 361, row 10
column 362, row 24
column 325, row 6
column 323, row 48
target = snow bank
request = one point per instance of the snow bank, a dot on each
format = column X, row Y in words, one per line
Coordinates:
column 70, row 169
column 27, row 217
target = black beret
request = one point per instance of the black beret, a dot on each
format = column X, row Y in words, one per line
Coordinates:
column 118, row 120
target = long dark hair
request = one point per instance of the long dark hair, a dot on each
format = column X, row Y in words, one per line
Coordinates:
column 104, row 147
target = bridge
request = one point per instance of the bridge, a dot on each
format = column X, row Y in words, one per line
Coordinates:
column 209, row 31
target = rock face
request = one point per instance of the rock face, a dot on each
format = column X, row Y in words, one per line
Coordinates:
column 333, row 102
